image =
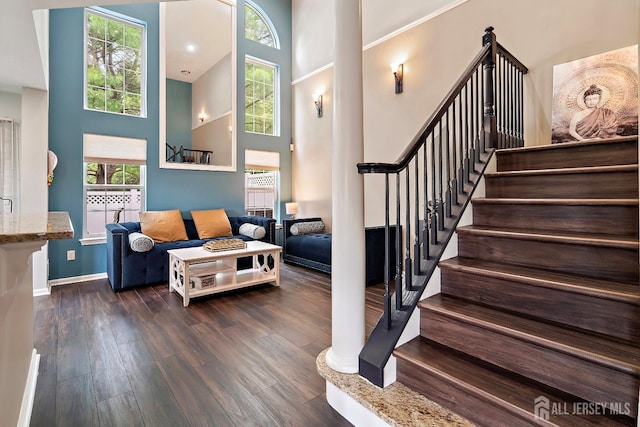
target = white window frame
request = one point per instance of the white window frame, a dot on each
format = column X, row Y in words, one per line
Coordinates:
column 127, row 20
column 111, row 150
column 268, row 162
column 276, row 95
column 267, row 21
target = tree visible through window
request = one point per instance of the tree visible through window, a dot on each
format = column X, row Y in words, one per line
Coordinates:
column 257, row 28
column 260, row 99
column 114, row 64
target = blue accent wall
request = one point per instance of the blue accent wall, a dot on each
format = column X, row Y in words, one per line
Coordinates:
column 166, row 188
column 178, row 113
column 279, row 11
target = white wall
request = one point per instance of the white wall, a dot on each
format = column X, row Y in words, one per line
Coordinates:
column 33, row 172
column 541, row 34
column 313, row 26
column 211, row 93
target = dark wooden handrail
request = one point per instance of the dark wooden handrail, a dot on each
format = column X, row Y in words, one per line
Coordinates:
column 440, row 169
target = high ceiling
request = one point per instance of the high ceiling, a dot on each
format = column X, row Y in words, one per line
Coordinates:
column 208, row 33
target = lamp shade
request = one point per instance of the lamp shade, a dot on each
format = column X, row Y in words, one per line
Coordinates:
column 291, row 208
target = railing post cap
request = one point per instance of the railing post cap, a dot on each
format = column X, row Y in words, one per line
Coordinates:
column 489, row 29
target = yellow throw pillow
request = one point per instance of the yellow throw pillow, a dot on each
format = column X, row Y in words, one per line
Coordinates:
column 213, row 223
column 163, row 226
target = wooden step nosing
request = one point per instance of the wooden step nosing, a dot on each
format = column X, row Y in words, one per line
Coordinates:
column 626, row 203
column 583, row 354
column 610, row 241
column 629, row 298
column 469, row 388
column 564, row 171
column 568, row 145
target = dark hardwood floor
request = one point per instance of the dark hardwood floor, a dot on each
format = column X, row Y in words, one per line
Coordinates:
column 139, row 358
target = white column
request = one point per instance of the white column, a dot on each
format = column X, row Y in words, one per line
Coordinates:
column 348, row 246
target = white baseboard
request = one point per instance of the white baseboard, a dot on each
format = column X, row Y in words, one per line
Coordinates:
column 41, row 292
column 353, row 411
column 77, row 279
column 29, row 391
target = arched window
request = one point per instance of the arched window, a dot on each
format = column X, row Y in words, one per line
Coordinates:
column 258, row 27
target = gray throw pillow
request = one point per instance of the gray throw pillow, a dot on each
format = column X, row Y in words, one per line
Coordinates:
column 251, row 230
column 140, row 242
column 307, row 227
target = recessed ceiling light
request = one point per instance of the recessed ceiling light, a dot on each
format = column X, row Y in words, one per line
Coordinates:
column 185, row 72
column 191, row 48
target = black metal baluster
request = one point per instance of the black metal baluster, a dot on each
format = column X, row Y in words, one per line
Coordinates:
column 514, row 110
column 476, row 129
column 454, row 162
column 471, row 153
column 460, row 145
column 440, row 180
column 387, row 256
column 448, row 167
column 483, row 141
column 398, row 247
column 466, row 134
column 434, row 207
column 408, row 262
column 416, row 240
column 427, row 216
column 521, row 109
column 503, row 109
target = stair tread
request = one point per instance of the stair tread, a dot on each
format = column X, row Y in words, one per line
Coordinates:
column 622, row 356
column 568, row 145
column 565, row 171
column 500, row 388
column 550, row 201
column 547, row 278
column 626, row 242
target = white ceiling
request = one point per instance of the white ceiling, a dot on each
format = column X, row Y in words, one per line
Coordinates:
column 203, row 24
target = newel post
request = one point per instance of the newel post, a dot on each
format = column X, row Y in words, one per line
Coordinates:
column 489, row 64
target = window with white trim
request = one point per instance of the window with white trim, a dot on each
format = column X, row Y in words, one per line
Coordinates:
column 114, row 181
column 262, row 173
column 260, row 97
column 115, row 55
column 258, row 26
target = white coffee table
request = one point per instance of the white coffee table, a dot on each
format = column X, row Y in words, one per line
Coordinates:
column 220, row 267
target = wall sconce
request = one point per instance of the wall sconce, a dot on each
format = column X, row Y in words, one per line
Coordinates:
column 397, row 70
column 317, row 99
column 201, row 117
column 292, row 209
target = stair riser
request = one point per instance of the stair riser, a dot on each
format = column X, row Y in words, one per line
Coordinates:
column 594, row 155
column 585, row 379
column 615, row 220
column 461, row 401
column 595, row 261
column 587, row 312
column 612, row 185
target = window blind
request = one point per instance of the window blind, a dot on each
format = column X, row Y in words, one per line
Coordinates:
column 114, row 149
column 263, row 160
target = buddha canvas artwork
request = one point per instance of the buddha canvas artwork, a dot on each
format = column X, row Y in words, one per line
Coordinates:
column 596, row 97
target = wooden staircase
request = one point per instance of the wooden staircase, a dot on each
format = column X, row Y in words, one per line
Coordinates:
column 538, row 322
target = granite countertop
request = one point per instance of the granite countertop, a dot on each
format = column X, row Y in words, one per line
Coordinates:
column 16, row 228
column 396, row 404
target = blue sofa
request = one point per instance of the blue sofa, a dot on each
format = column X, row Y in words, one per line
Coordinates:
column 127, row 269
column 313, row 250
